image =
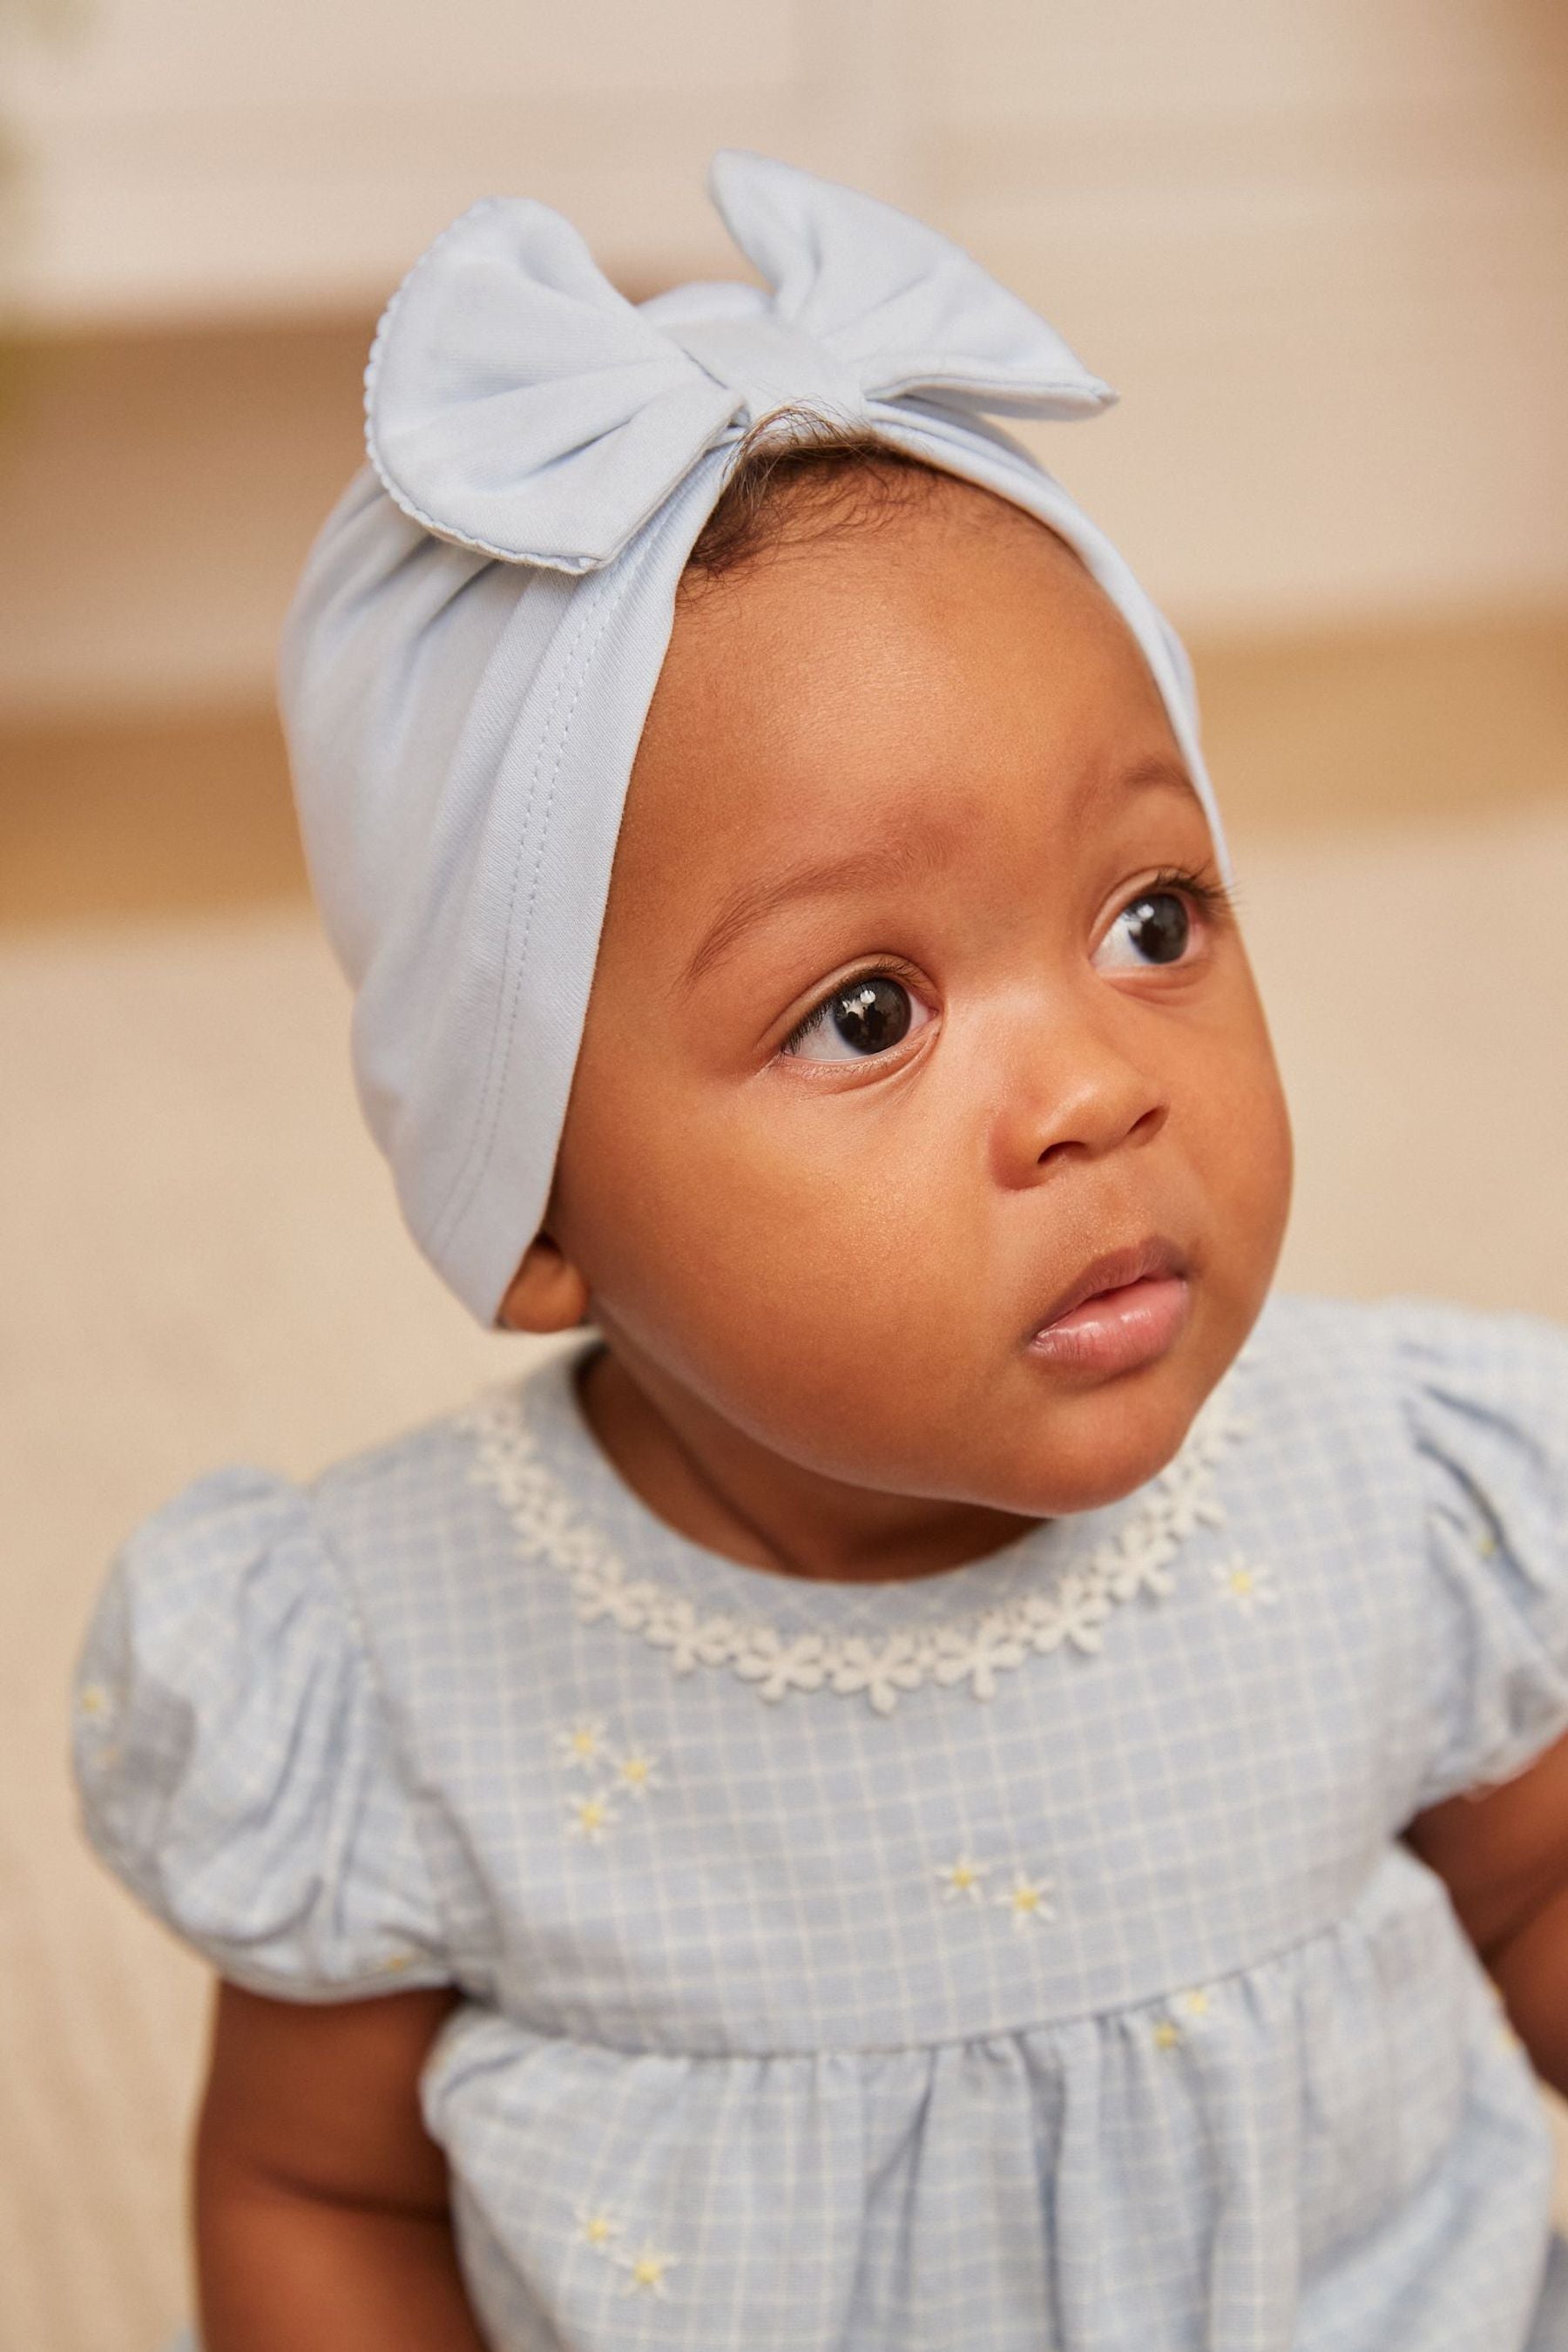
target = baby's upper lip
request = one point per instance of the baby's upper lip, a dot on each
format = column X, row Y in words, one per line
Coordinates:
column 1149, row 1260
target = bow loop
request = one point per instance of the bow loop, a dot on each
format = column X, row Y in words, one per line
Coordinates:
column 905, row 308
column 518, row 404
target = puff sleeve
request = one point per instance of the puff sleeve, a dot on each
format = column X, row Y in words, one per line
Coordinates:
column 1487, row 1401
column 231, row 1756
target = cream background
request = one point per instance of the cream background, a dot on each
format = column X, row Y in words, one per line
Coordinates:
column 1317, row 244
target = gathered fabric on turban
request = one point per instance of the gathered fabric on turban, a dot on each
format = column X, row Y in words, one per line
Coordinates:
column 470, row 653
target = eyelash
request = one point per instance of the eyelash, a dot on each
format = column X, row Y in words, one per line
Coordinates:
column 889, row 968
column 1208, row 893
column 1205, row 889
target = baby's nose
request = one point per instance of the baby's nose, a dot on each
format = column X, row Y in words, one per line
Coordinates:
column 1075, row 1105
column 1142, row 1128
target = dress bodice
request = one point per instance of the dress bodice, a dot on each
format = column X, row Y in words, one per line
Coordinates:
column 1022, row 1954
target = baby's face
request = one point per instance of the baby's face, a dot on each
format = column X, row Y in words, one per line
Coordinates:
column 904, row 1016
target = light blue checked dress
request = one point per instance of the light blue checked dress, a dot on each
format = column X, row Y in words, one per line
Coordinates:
column 1021, row 1958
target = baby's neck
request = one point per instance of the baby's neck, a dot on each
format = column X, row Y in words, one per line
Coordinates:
column 720, row 1488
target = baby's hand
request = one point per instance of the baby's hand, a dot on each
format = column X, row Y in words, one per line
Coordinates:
column 321, row 2213
column 1503, row 1854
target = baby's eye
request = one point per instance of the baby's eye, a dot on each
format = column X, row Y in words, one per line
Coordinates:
column 863, row 1018
column 1154, row 928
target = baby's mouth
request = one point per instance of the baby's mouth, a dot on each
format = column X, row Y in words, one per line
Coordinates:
column 1125, row 1309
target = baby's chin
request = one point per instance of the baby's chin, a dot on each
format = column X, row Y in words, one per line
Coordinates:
column 1081, row 1452
column 1062, row 1464
column 1047, row 1456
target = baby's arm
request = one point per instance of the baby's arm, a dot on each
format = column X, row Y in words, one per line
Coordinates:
column 321, row 2200
column 1503, row 1854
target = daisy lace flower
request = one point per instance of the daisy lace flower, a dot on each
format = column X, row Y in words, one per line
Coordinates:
column 881, row 1672
column 1136, row 1562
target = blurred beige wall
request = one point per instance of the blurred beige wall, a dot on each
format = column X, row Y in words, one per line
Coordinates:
column 1318, row 244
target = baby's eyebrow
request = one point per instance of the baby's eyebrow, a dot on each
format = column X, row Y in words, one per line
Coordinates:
column 908, row 859
column 1160, row 771
column 902, row 861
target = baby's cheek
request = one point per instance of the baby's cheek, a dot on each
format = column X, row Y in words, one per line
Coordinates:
column 849, row 1269
column 829, row 1311
column 1261, row 1177
column 1231, row 1126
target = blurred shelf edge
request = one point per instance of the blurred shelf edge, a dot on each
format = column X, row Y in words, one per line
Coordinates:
column 159, row 490
column 154, row 815
column 146, row 817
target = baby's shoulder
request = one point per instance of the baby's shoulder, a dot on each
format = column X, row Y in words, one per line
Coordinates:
column 1353, row 1377
column 1407, row 1463
column 396, row 1491
column 423, row 1527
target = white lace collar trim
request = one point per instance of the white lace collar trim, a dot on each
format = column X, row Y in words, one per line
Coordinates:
column 972, row 1647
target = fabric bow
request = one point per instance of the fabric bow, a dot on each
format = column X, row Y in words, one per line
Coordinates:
column 517, row 404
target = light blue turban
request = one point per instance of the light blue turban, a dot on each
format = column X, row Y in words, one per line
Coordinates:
column 470, row 658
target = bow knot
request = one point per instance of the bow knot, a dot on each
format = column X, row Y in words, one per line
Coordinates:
column 517, row 404
column 769, row 365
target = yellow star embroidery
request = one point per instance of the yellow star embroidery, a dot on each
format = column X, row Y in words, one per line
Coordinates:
column 597, row 2229
column 581, row 1744
column 963, row 1877
column 1027, row 1899
column 639, row 1774
column 93, row 1699
column 646, row 2270
column 1166, row 2035
column 591, row 1816
column 1196, row 2002
column 1248, row 1585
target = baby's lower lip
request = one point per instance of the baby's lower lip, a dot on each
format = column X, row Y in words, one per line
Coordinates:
column 1116, row 1330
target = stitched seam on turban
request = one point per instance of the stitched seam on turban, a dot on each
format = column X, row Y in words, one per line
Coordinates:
column 459, row 1197
column 573, row 672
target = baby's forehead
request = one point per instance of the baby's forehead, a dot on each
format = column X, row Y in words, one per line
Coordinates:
column 861, row 645
column 889, row 711
column 859, row 578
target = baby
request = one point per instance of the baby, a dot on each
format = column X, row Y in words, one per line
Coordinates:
column 944, row 1778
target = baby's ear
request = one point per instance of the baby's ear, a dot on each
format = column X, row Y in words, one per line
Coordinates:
column 546, row 1292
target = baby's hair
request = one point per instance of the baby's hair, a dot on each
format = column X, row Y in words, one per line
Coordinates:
column 800, row 475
